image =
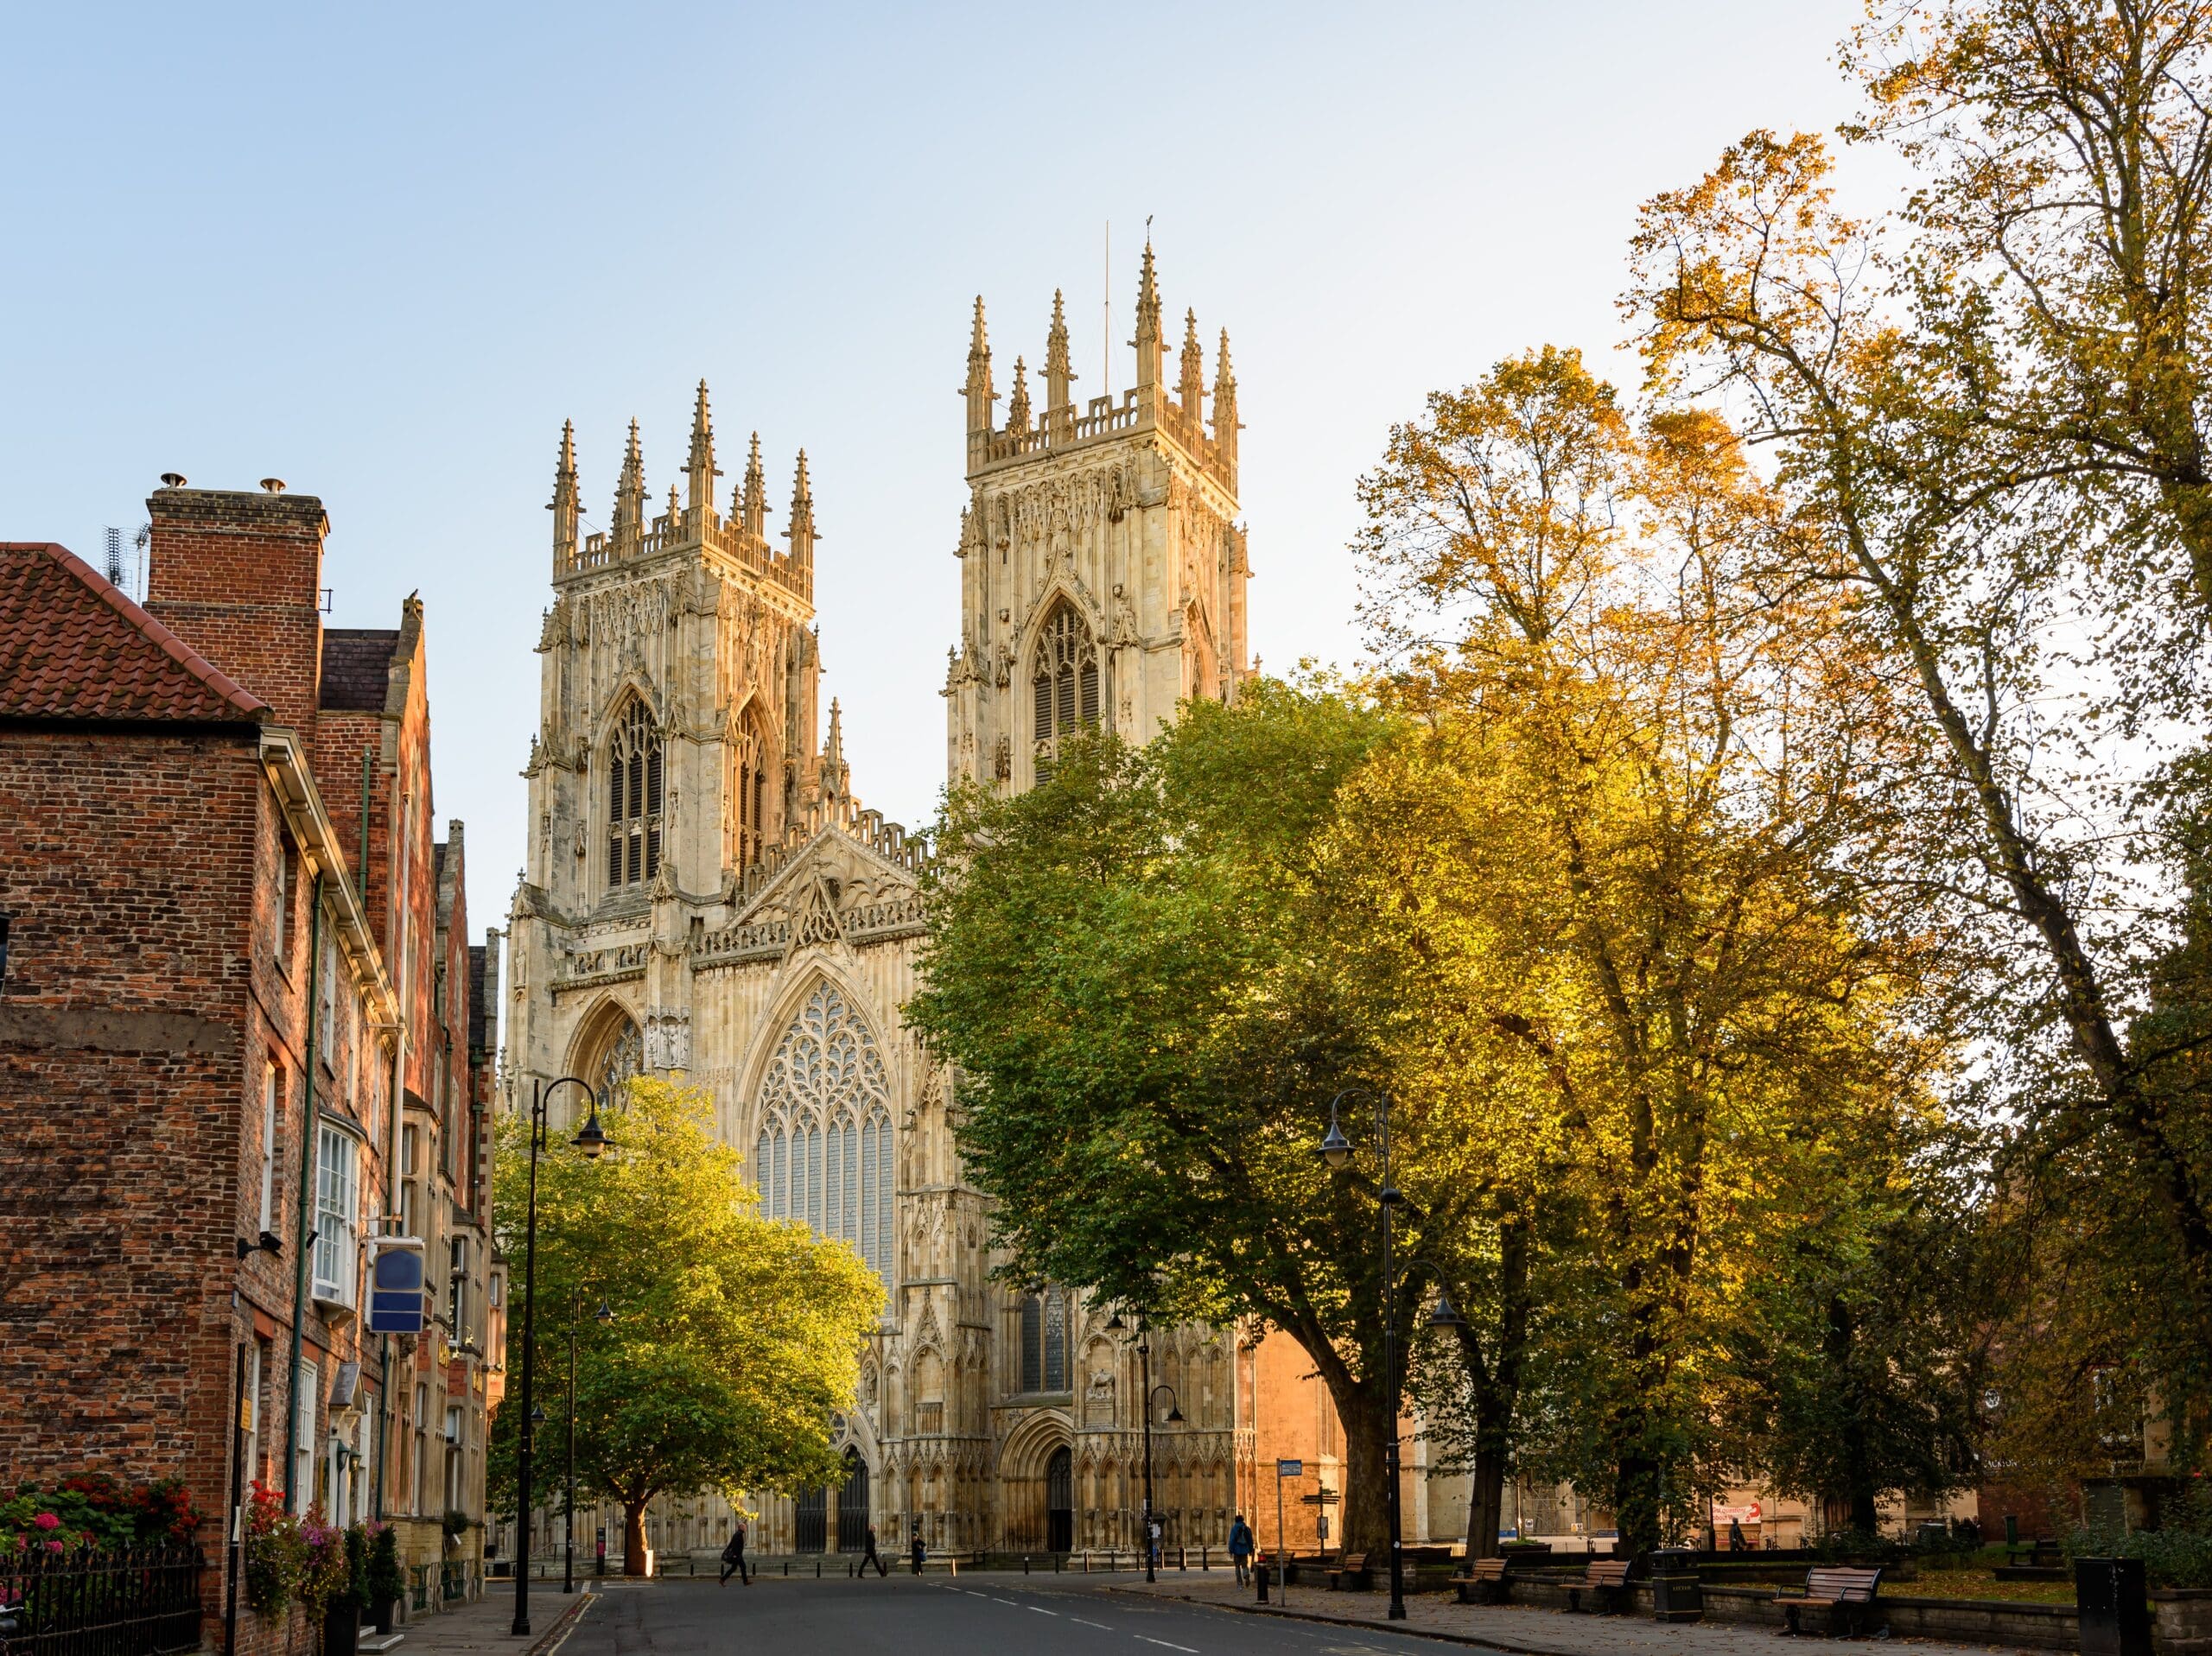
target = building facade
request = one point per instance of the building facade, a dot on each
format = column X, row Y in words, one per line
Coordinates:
column 707, row 899
column 215, row 965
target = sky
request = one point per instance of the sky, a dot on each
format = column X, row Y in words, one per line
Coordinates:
column 382, row 251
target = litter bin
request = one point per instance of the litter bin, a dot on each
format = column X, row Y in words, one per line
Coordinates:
column 1676, row 1594
column 2115, row 1615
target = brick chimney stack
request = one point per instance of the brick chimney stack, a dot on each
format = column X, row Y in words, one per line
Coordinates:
column 237, row 575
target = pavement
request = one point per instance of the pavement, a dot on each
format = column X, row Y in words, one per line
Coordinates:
column 487, row 1625
column 1519, row 1628
column 998, row 1614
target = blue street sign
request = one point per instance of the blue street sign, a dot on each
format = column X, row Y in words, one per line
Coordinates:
column 396, row 1302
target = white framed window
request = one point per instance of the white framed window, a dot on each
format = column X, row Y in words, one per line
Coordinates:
column 306, row 1386
column 411, row 1151
column 250, row 1411
column 272, row 1092
column 336, row 1196
column 457, row 1287
column 281, row 902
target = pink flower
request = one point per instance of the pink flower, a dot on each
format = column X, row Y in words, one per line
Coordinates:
column 54, row 1546
column 47, row 1521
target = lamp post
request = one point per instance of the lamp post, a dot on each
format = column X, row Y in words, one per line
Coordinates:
column 1336, row 1150
column 605, row 1315
column 591, row 1140
column 1174, row 1418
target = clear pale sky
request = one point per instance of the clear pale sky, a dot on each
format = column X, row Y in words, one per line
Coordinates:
column 382, row 251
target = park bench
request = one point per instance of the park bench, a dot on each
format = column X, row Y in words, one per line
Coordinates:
column 1350, row 1575
column 1606, row 1581
column 1844, row 1591
column 2042, row 1553
column 1485, row 1583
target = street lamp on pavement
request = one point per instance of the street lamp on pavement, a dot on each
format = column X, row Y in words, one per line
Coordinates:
column 1337, row 1150
column 591, row 1138
column 1151, row 1400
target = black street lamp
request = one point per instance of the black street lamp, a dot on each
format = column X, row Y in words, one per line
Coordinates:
column 1151, row 1399
column 605, row 1315
column 591, row 1140
column 1336, row 1150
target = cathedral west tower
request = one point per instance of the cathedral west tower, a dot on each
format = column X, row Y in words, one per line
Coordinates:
column 1103, row 568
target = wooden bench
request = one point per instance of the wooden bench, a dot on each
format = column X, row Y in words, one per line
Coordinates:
column 1606, row 1581
column 1350, row 1574
column 1485, row 1583
column 2041, row 1553
column 1844, row 1591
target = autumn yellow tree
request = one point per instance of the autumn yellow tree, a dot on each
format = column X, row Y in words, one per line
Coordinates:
column 1639, row 754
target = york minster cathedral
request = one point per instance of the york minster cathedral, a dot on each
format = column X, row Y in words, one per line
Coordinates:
column 706, row 898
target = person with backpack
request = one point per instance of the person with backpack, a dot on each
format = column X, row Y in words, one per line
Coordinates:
column 1239, row 1549
column 734, row 1556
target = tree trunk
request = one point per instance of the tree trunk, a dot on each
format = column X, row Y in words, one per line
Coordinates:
column 633, row 1536
column 1485, row 1502
column 1366, row 1515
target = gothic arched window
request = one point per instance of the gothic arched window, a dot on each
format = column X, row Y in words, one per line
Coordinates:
column 749, row 797
column 633, row 798
column 823, row 1155
column 1045, row 1340
column 1065, row 684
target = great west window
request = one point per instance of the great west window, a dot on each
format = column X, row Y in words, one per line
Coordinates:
column 823, row 1155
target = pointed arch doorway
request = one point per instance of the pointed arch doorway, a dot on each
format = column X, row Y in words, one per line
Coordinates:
column 852, row 1505
column 1059, row 1501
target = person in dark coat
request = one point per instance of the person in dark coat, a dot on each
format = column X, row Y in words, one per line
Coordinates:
column 921, row 1552
column 1240, row 1548
column 872, row 1557
column 734, row 1557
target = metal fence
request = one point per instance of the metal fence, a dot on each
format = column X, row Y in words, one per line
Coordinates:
column 118, row 1601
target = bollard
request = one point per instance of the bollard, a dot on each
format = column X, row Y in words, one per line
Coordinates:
column 787, row 1567
column 1203, row 1564
column 1024, row 1563
column 817, row 1569
column 1260, row 1574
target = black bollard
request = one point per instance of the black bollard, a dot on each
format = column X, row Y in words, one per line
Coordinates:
column 1024, row 1563
column 1260, row 1574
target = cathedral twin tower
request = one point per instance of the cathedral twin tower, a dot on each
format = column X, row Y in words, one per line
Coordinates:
column 706, row 899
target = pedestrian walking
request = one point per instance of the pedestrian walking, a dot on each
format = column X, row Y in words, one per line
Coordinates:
column 734, row 1557
column 921, row 1552
column 1151, row 1539
column 872, row 1557
column 1736, row 1541
column 1239, row 1549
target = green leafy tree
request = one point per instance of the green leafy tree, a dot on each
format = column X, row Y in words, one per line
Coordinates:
column 1133, row 966
column 734, row 1339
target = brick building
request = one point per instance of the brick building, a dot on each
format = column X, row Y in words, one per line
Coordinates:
column 219, row 879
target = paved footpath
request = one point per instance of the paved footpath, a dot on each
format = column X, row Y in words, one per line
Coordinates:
column 1513, row 1627
column 487, row 1625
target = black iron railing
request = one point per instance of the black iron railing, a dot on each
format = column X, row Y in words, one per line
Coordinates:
column 115, row 1601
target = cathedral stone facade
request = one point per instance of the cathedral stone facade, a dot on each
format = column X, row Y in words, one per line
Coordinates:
column 706, row 899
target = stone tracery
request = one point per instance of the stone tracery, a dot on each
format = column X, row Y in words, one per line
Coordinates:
column 824, row 1150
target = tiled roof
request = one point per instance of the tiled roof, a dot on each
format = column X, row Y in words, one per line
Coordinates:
column 356, row 666
column 73, row 647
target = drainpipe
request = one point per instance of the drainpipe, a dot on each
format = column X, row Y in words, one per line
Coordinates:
column 307, row 1199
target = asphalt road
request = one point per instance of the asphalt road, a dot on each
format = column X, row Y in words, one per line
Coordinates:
column 976, row 1615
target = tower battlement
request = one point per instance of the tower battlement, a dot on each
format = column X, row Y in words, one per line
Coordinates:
column 690, row 524
column 1147, row 406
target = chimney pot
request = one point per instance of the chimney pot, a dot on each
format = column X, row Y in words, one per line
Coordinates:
column 172, row 479
column 274, row 485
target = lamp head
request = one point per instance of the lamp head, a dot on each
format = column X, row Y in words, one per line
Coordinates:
column 1174, row 1414
column 605, row 1313
column 1115, row 1325
column 591, row 1138
column 1441, row 1315
column 1335, row 1149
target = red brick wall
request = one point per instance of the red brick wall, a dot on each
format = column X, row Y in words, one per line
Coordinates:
column 127, row 1037
column 237, row 576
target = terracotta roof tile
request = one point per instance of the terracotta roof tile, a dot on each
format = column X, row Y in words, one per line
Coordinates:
column 73, row 647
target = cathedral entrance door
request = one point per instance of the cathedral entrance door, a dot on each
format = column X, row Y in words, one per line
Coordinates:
column 1059, row 1502
column 852, row 1506
column 811, row 1512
